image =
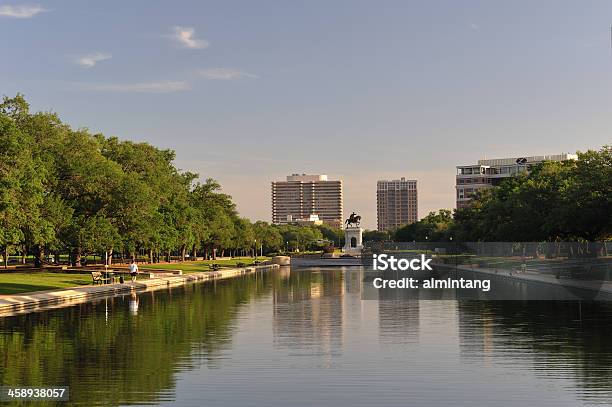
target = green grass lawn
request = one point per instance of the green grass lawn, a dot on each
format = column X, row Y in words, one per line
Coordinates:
column 199, row 266
column 15, row 283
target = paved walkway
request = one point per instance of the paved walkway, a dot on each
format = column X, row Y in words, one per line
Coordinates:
column 530, row 276
column 42, row 300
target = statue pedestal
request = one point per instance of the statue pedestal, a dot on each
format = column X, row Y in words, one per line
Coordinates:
column 353, row 240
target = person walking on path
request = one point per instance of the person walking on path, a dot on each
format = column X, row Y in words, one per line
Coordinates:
column 133, row 270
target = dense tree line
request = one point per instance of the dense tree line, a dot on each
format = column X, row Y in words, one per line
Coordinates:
column 555, row 201
column 66, row 191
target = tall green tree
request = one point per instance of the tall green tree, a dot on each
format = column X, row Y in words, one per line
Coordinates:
column 216, row 217
column 16, row 183
column 434, row 227
column 269, row 236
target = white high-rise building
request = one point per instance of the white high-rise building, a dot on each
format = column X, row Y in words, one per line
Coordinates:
column 302, row 195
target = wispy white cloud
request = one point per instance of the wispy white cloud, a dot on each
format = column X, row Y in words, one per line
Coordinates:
column 225, row 74
column 21, row 11
column 474, row 26
column 90, row 60
column 141, row 87
column 185, row 36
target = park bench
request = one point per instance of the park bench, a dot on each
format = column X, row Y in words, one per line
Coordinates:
column 98, row 278
column 215, row 267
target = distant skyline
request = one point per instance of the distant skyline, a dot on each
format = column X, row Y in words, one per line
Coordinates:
column 249, row 92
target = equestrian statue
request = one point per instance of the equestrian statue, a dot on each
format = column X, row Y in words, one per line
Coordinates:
column 354, row 219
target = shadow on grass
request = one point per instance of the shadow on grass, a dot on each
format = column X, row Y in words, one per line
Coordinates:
column 16, row 288
column 77, row 282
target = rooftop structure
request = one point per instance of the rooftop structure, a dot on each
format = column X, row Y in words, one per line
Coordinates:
column 490, row 172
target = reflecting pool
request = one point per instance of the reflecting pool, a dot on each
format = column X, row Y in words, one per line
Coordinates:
column 305, row 337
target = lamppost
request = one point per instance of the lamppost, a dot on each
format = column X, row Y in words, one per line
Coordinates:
column 426, row 247
column 455, row 256
column 287, row 247
column 255, row 251
column 454, row 252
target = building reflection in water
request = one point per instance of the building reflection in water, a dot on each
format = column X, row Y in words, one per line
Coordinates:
column 398, row 321
column 309, row 313
column 476, row 333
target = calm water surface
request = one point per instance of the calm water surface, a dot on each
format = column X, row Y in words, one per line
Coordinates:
column 305, row 337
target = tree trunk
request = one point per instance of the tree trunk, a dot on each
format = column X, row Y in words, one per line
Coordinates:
column 168, row 256
column 183, row 252
column 6, row 256
column 39, row 255
column 76, row 257
column 151, row 256
column 195, row 253
column 109, row 259
column 214, row 253
column 23, row 256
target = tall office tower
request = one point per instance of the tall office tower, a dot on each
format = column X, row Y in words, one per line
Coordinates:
column 489, row 173
column 396, row 203
column 301, row 196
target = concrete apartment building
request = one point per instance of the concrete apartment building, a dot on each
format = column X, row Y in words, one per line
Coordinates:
column 396, row 203
column 489, row 173
column 302, row 195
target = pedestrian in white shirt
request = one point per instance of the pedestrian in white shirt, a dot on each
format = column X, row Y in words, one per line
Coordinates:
column 133, row 270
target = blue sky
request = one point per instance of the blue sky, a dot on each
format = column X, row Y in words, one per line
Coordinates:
column 249, row 91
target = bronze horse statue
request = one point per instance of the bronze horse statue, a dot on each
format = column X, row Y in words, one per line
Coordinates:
column 354, row 219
